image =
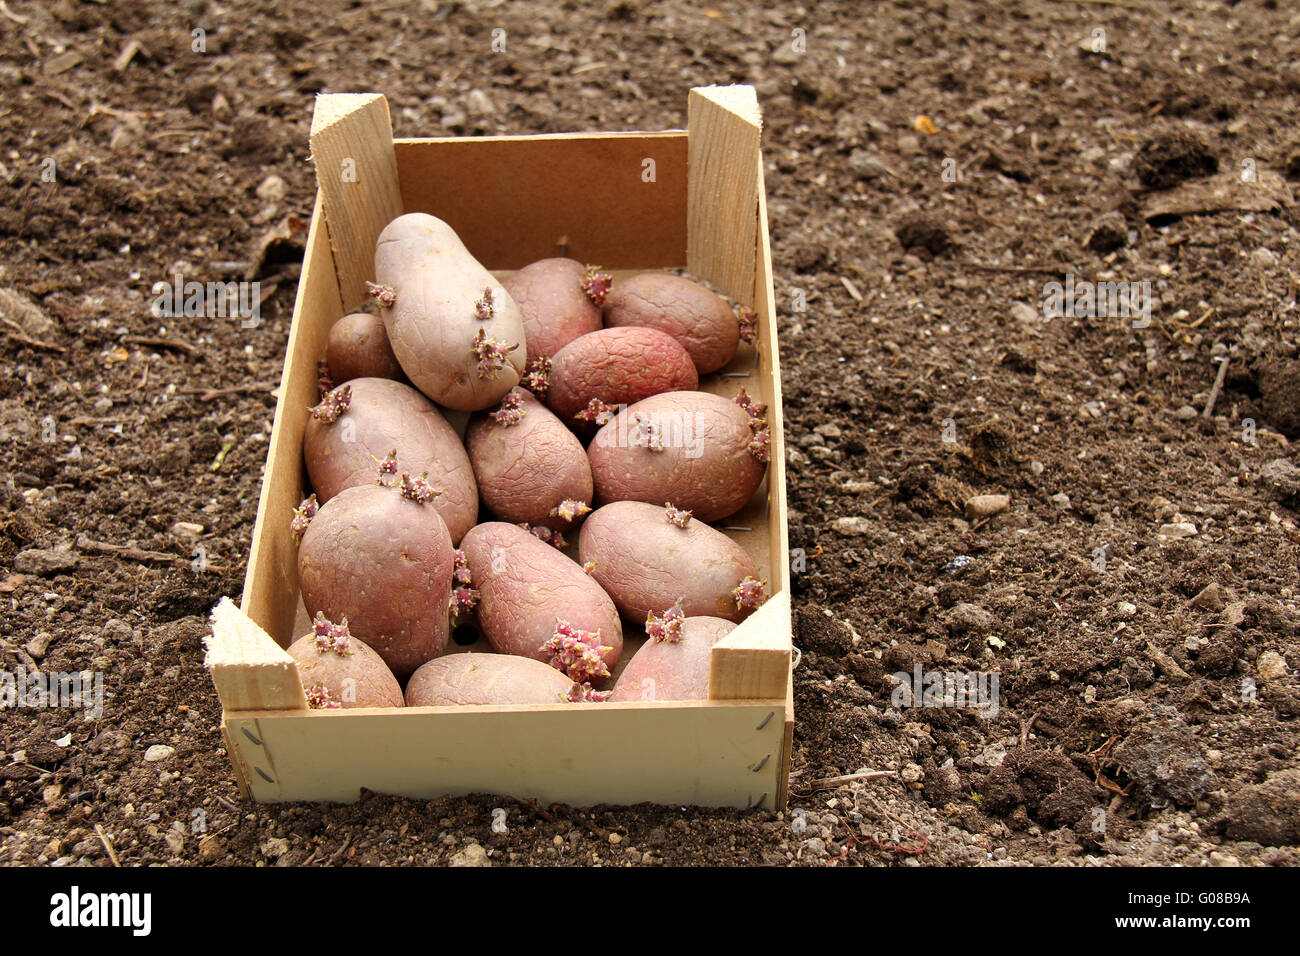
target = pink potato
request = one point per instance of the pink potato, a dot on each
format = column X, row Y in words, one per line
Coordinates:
column 647, row 564
column 694, row 449
column 555, row 307
column 673, row 669
column 358, row 347
column 486, row 679
column 526, row 462
column 455, row 330
column 617, row 367
column 337, row 670
column 527, row 589
column 700, row 320
column 383, row 416
column 384, row 561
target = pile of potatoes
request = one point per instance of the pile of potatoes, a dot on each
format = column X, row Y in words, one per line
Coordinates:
column 578, row 402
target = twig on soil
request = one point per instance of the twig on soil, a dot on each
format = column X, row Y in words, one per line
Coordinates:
column 18, row 335
column 1027, row 726
column 1166, row 664
column 541, row 811
column 138, row 554
column 125, row 551
column 10, row 15
column 108, row 846
column 176, row 344
column 20, row 653
column 338, row 854
column 226, row 803
column 829, row 783
column 1030, row 270
column 212, row 394
column 1218, row 387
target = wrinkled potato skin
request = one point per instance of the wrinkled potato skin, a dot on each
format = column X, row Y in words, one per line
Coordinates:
column 705, row 466
column 385, row 563
column 358, row 347
column 532, row 585
column 432, row 324
column 555, row 310
column 668, row 670
column 698, row 319
column 386, row 415
column 485, row 679
column 646, row 564
column 375, row 684
column 526, row 469
column 619, row 367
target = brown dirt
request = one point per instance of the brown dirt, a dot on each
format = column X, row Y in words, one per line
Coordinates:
column 1123, row 735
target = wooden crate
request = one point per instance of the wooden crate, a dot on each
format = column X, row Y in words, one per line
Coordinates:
column 627, row 201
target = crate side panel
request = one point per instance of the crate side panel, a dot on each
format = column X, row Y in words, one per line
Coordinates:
column 702, row 754
column 271, row 584
column 513, row 200
column 769, row 368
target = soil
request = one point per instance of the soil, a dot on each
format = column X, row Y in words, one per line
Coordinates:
column 1137, row 599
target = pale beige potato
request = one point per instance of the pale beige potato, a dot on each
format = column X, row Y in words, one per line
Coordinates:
column 432, row 323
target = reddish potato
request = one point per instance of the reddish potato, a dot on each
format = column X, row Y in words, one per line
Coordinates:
column 702, row 322
column 647, row 563
column 455, row 330
column 358, row 347
column 691, row 448
column 617, row 367
column 486, row 679
column 673, row 669
column 382, row 416
column 526, row 462
column 526, row 586
column 337, row 670
column 383, row 561
column 554, row 306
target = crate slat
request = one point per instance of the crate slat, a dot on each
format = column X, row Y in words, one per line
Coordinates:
column 356, row 173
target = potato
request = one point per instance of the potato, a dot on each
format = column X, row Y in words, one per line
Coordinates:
column 673, row 670
column 617, row 367
column 383, row 416
column 690, row 448
column 525, row 586
column 554, row 307
column 527, row 469
column 486, row 679
column 337, row 670
column 455, row 330
column 384, row 561
column 701, row 321
column 646, row 563
column 358, row 347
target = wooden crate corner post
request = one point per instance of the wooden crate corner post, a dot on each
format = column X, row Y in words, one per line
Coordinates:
column 722, row 203
column 356, row 172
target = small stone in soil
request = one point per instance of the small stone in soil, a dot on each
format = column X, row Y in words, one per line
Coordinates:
column 983, row 506
column 1271, row 666
column 158, row 752
column 852, row 526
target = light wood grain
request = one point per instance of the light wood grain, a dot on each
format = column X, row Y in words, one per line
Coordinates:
column 701, row 754
column 249, row 669
column 356, row 173
column 722, row 191
column 753, row 661
column 271, row 582
column 515, row 199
